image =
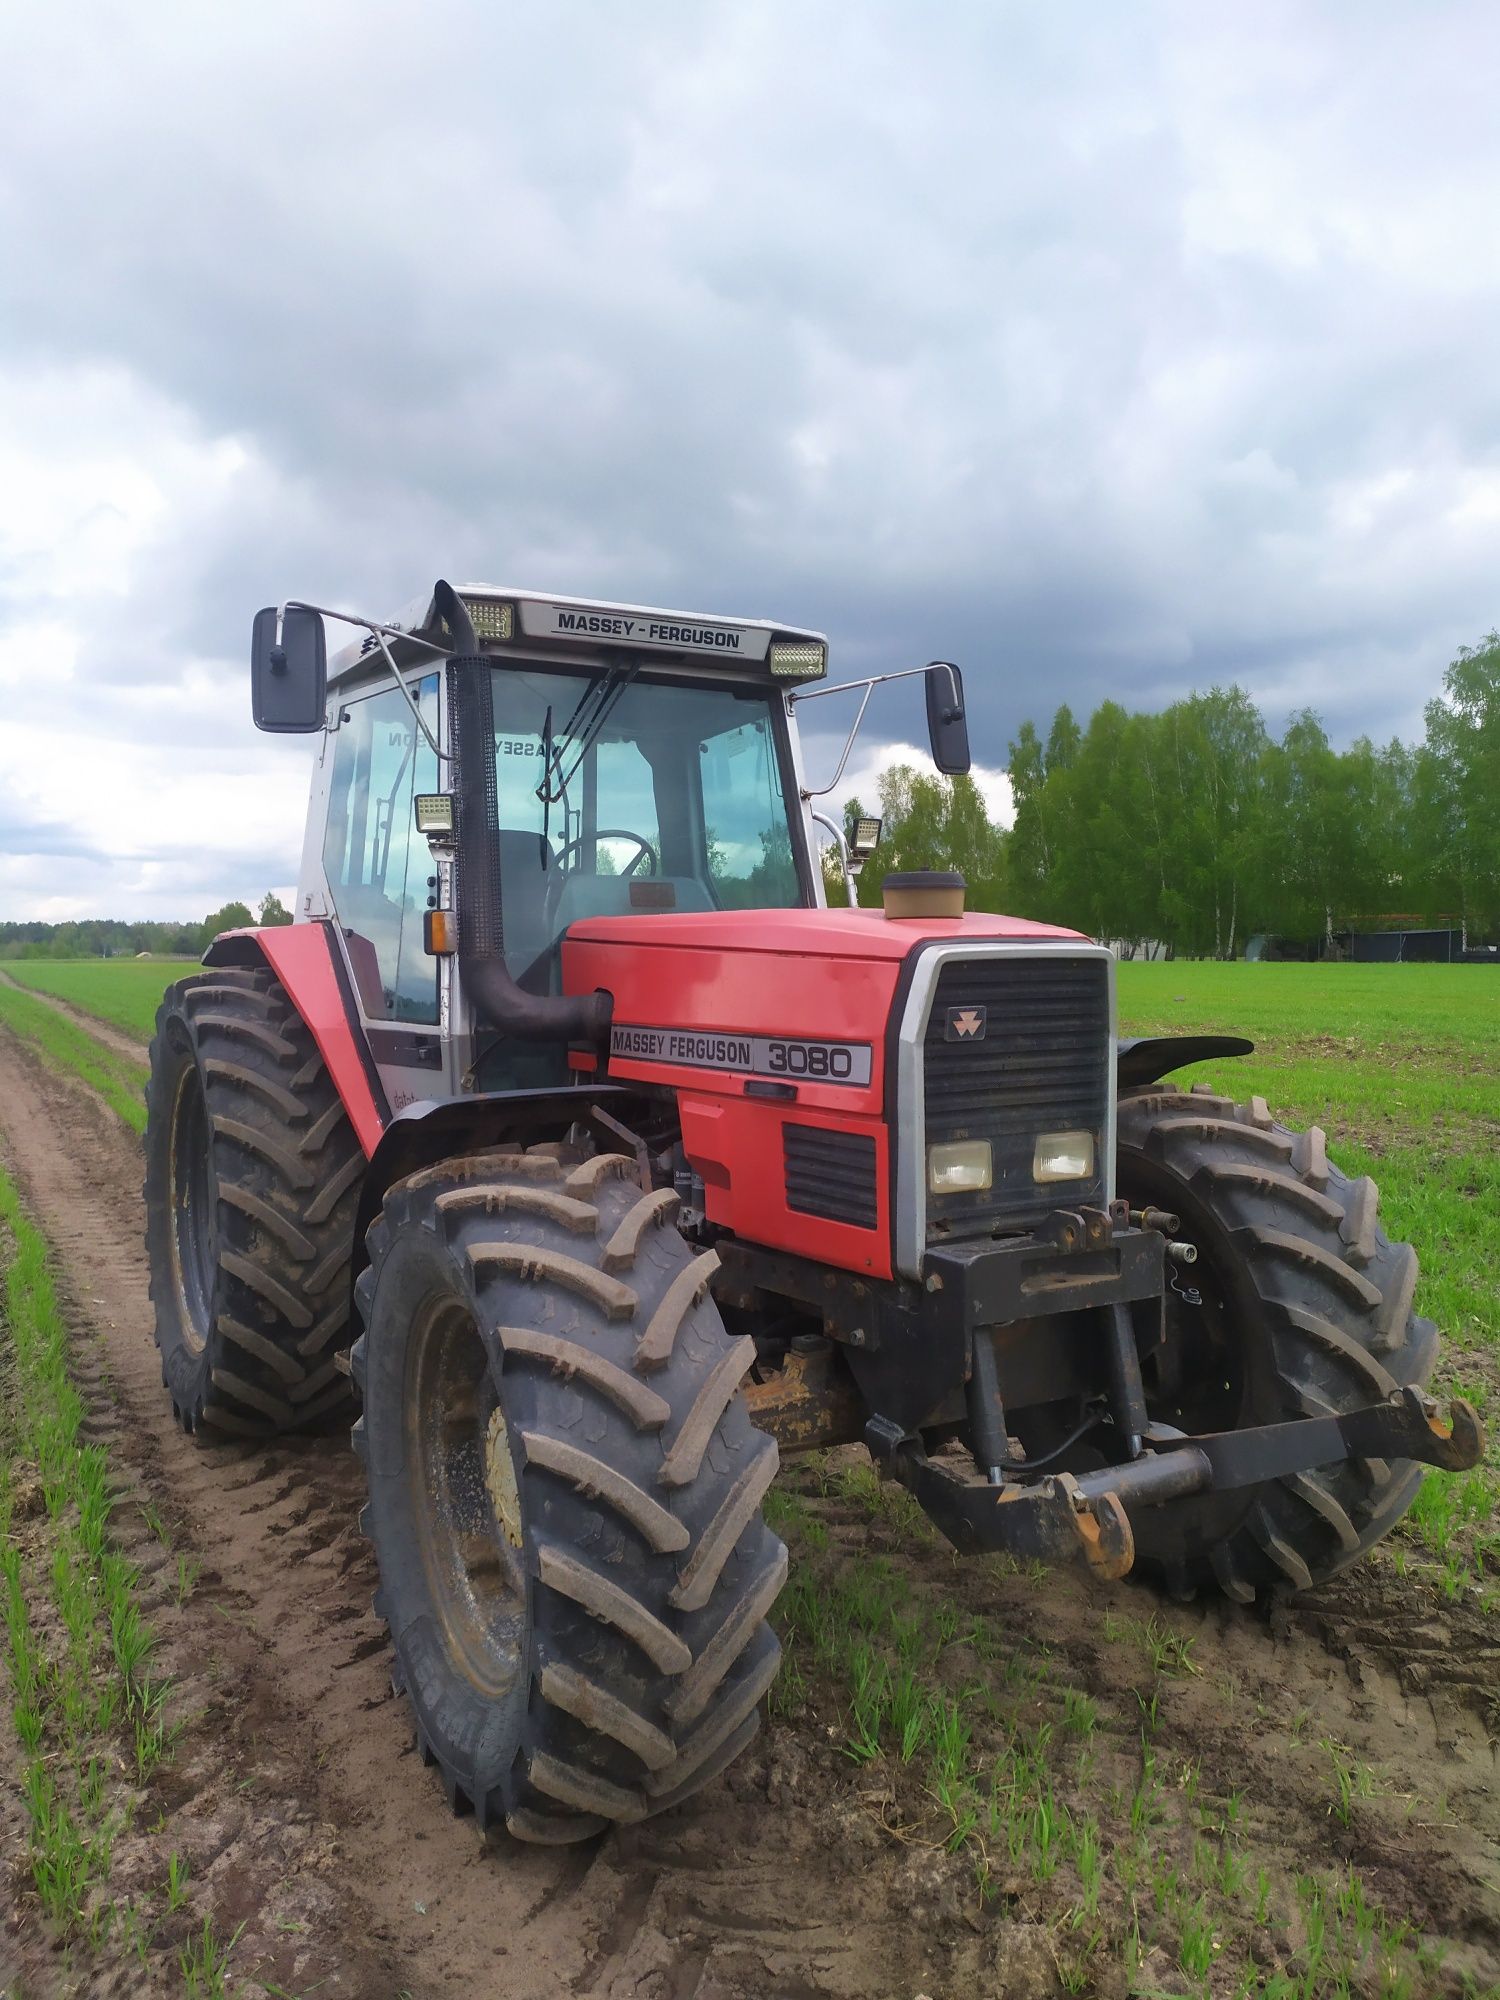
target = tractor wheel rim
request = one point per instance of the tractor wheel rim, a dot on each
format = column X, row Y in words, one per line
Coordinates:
column 194, row 1230
column 464, row 1497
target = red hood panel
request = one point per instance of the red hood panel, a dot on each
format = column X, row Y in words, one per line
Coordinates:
column 804, row 933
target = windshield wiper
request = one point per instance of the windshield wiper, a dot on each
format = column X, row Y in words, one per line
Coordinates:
column 582, row 730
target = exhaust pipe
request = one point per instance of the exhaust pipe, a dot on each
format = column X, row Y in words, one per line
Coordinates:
column 498, row 1001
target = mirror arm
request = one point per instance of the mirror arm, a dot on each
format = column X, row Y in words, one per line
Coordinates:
column 442, row 756
column 378, row 633
column 823, row 790
column 848, row 687
column 837, row 831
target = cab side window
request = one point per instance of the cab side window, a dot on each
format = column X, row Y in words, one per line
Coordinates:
column 376, row 863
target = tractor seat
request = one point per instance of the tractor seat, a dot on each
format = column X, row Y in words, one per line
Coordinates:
column 525, row 868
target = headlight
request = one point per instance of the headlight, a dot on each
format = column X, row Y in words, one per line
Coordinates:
column 1063, row 1156
column 963, row 1166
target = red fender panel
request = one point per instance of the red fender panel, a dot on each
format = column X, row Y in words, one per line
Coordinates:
column 302, row 956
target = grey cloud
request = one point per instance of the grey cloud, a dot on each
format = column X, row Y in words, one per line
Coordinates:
column 45, row 840
column 1108, row 362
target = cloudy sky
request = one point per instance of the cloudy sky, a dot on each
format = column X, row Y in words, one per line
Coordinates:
column 1104, row 350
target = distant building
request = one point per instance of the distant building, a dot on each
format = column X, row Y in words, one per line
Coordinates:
column 1394, row 945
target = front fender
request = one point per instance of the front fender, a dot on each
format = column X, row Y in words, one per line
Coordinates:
column 1145, row 1059
column 440, row 1129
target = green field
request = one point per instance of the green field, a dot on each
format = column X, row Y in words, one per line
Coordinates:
column 123, row 991
column 66, row 1046
column 89, row 1709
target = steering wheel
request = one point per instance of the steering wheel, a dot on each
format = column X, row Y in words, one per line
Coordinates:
column 557, row 873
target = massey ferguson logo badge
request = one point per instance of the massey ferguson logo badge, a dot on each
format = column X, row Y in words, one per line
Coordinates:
column 966, row 1024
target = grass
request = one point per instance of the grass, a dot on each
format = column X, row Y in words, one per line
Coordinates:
column 123, row 991
column 70, row 1049
column 204, row 1962
column 90, row 1719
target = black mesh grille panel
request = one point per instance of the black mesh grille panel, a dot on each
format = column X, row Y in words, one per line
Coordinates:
column 472, row 724
column 1016, row 1047
column 831, row 1174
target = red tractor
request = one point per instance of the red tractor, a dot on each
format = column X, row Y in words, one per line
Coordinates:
column 570, row 1123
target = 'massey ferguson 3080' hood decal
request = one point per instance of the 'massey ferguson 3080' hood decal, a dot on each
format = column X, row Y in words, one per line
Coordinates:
column 779, row 1057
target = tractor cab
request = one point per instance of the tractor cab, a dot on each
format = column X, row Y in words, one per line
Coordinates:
column 623, row 760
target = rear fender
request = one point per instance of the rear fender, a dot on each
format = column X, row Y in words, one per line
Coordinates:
column 307, row 961
column 1146, row 1059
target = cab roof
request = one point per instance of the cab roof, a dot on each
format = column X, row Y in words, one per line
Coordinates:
column 543, row 622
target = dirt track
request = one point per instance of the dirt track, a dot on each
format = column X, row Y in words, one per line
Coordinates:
column 114, row 1039
column 298, row 1794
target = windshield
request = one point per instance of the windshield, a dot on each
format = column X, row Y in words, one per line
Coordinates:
column 659, row 796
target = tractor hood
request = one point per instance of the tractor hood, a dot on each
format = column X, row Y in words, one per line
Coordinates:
column 761, row 1020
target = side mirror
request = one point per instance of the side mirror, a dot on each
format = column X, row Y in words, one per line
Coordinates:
column 947, row 725
column 288, row 670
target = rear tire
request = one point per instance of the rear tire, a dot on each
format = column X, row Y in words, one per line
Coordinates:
column 1304, row 1308
column 565, row 1493
column 252, row 1181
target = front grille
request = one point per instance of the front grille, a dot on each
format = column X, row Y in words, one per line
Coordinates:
column 1043, row 1064
column 831, row 1174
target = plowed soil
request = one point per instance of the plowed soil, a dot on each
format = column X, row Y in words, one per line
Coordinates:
column 297, row 1792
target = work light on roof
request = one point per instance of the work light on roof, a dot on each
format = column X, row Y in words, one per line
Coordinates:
column 799, row 659
column 492, row 619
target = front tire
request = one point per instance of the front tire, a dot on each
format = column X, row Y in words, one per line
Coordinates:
column 1299, row 1305
column 565, row 1493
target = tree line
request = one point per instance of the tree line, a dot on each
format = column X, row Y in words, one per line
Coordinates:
column 1194, row 827
column 1197, row 827
column 109, row 937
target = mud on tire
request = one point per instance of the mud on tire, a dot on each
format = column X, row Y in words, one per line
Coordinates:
column 1304, row 1307
column 565, row 1493
column 252, row 1181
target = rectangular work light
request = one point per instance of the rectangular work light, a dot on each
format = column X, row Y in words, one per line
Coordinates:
column 798, row 659
column 435, row 814
column 492, row 620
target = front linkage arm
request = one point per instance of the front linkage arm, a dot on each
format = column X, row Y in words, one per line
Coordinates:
column 1069, row 1515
